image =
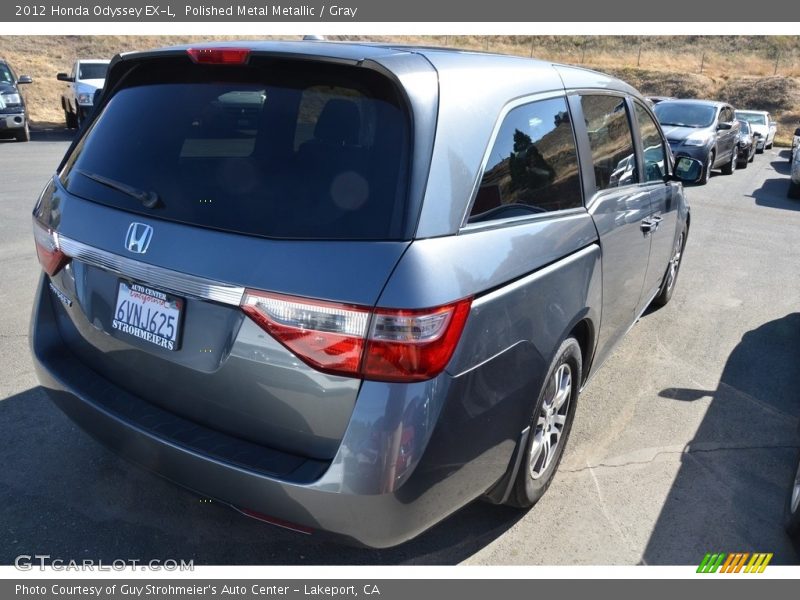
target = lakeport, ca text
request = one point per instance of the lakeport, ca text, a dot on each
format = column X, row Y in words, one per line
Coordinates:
column 145, row 590
column 266, row 11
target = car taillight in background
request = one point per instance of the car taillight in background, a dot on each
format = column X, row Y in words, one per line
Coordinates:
column 381, row 344
column 50, row 256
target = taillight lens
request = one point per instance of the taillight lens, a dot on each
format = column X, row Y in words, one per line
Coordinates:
column 383, row 345
column 50, row 256
column 219, row 56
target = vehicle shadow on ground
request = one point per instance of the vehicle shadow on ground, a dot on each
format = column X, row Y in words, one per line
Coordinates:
column 46, row 132
column 65, row 495
column 772, row 193
column 729, row 493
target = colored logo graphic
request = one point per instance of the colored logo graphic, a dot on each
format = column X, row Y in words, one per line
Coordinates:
column 735, row 563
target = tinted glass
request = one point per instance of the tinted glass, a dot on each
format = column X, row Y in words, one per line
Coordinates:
column 6, row 76
column 675, row 114
column 92, row 71
column 610, row 140
column 756, row 119
column 652, row 145
column 269, row 152
column 533, row 165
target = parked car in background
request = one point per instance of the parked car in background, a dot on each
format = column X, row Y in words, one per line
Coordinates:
column 794, row 174
column 764, row 128
column 87, row 76
column 14, row 119
column 745, row 145
column 795, row 141
column 288, row 303
column 701, row 129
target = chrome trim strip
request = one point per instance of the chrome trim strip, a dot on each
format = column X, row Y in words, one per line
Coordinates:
column 523, row 281
column 166, row 279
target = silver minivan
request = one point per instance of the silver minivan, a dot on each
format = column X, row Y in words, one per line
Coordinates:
column 349, row 288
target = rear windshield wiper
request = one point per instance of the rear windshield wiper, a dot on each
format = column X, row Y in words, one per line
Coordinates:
column 149, row 199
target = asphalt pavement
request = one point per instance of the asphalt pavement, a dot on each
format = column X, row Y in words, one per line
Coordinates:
column 684, row 442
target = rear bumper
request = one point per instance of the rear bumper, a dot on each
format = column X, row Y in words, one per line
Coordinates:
column 410, row 457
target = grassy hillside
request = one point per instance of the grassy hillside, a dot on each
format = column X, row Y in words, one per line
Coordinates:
column 760, row 72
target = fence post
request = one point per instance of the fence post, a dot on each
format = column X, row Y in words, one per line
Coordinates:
column 639, row 57
column 702, row 62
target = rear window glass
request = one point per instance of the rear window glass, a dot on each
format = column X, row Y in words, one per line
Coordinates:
column 278, row 150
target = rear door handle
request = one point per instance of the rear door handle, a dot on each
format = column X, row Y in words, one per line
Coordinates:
column 650, row 224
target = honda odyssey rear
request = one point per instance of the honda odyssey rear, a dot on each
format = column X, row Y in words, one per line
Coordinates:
column 299, row 279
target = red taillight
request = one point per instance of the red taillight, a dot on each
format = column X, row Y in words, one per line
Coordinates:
column 330, row 337
column 382, row 345
column 406, row 345
column 219, row 56
column 50, row 256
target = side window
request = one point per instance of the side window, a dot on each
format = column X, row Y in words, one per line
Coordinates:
column 653, row 145
column 533, row 165
column 610, row 140
column 725, row 115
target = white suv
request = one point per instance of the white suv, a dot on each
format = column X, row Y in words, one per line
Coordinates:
column 762, row 125
column 77, row 100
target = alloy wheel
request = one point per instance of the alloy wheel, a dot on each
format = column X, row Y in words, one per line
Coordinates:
column 795, row 501
column 674, row 263
column 551, row 421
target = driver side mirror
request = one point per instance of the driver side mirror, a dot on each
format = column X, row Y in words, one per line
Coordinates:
column 24, row 79
column 687, row 170
column 64, row 77
column 773, row 124
column 797, row 131
column 723, row 126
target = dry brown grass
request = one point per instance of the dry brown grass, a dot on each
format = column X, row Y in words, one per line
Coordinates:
column 688, row 66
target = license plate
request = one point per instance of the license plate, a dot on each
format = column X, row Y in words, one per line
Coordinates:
column 150, row 315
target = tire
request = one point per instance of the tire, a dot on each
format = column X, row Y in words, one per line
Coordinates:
column 70, row 119
column 791, row 511
column 793, row 191
column 24, row 135
column 730, row 166
column 671, row 275
column 742, row 164
column 752, row 155
column 539, row 464
column 707, row 170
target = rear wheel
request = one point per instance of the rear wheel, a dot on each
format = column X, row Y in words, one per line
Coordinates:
column 549, row 427
column 671, row 276
column 794, row 190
